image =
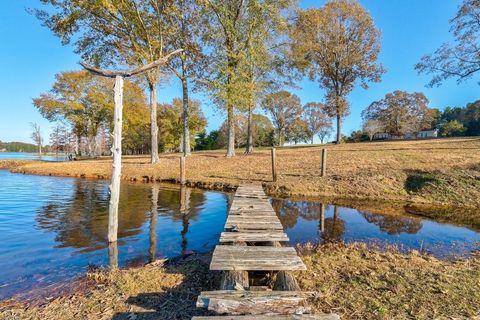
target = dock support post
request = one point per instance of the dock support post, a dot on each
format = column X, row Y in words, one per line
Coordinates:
column 324, row 162
column 183, row 180
column 274, row 165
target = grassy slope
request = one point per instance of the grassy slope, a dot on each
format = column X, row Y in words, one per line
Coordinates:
column 353, row 281
column 445, row 171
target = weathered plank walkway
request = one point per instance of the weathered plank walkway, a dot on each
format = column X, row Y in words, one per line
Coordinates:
column 251, row 243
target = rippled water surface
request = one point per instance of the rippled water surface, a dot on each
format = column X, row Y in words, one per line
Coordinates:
column 52, row 228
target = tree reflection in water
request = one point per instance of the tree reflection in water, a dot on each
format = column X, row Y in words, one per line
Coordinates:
column 333, row 227
column 392, row 224
column 81, row 222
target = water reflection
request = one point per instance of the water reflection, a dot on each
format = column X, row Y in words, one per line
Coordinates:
column 394, row 224
column 309, row 221
column 52, row 228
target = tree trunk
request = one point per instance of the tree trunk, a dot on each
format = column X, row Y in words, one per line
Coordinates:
column 231, row 131
column 186, row 134
column 153, row 224
column 117, row 161
column 249, row 146
column 281, row 135
column 153, row 123
column 77, row 146
column 339, row 129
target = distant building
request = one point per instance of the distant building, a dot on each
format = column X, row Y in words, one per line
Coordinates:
column 424, row 134
column 3, row 150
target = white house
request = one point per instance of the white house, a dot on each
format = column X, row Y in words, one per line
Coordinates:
column 424, row 134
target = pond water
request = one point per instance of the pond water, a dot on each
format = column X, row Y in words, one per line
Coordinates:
column 52, row 229
column 30, row 156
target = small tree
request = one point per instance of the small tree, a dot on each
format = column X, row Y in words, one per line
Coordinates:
column 297, row 131
column 338, row 45
column 316, row 118
column 371, row 127
column 37, row 136
column 283, row 107
column 324, row 132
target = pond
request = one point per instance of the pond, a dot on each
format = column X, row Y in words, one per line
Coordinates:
column 31, row 156
column 53, row 229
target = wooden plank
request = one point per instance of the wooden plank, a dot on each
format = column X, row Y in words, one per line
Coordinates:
column 253, row 236
column 245, row 227
column 255, row 258
column 255, row 302
column 244, row 219
column 276, row 317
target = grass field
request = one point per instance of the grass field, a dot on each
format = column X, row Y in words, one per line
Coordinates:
column 353, row 281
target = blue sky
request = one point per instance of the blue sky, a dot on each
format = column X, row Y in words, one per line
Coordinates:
column 31, row 55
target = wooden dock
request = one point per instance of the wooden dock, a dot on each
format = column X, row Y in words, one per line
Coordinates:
column 256, row 280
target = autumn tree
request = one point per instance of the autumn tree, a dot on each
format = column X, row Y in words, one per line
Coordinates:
column 400, row 112
column 187, row 66
column 371, row 127
column 37, row 136
column 238, row 38
column 85, row 103
column 283, row 108
column 107, row 32
column 337, row 45
column 317, row 119
column 260, row 126
column 297, row 131
column 171, row 123
column 459, row 60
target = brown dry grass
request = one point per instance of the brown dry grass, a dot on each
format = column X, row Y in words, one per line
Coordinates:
column 361, row 283
column 155, row 291
column 353, row 281
column 443, row 171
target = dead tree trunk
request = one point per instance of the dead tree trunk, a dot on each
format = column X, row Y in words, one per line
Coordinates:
column 117, row 134
column 117, row 161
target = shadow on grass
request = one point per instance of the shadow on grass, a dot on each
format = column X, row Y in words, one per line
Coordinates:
column 417, row 180
column 177, row 302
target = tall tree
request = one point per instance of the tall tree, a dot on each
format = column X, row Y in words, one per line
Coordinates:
column 37, row 136
column 283, row 107
column 400, row 112
column 238, row 35
column 106, row 32
column 460, row 60
column 317, row 119
column 187, row 67
column 338, row 45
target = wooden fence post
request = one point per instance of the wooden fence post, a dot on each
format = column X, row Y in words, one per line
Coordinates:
column 183, row 179
column 274, row 165
column 324, row 162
